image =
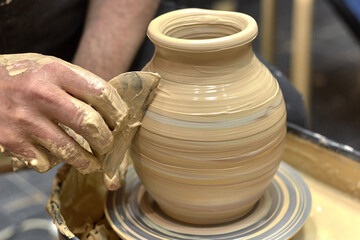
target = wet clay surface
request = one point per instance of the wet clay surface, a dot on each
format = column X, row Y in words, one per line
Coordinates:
column 212, row 139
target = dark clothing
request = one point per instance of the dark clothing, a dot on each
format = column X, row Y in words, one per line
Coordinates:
column 51, row 27
column 295, row 108
column 54, row 27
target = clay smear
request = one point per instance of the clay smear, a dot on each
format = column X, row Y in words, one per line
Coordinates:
column 137, row 89
column 103, row 97
column 64, row 204
column 102, row 116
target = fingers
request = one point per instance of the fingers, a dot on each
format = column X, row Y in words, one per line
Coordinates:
column 64, row 148
column 59, row 92
column 96, row 92
column 79, row 116
column 89, row 123
column 47, row 146
column 31, row 156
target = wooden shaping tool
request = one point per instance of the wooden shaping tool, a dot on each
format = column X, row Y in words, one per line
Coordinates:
column 137, row 89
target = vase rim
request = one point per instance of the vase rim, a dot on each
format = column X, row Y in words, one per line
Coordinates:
column 159, row 27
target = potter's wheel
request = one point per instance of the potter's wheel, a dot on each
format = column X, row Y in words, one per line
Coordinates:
column 279, row 214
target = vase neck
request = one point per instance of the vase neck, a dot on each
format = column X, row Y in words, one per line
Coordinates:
column 240, row 51
column 187, row 65
column 198, row 43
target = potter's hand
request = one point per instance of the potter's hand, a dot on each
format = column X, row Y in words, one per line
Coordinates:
column 37, row 93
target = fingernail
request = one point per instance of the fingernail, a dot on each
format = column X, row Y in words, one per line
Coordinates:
column 113, row 183
column 39, row 166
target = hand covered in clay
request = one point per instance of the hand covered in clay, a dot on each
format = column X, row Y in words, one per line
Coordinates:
column 39, row 96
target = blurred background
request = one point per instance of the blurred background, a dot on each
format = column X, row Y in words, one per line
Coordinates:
column 328, row 70
column 334, row 58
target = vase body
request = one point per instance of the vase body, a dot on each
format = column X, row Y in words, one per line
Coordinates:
column 211, row 141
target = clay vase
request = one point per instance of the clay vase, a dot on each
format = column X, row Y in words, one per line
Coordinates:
column 211, row 141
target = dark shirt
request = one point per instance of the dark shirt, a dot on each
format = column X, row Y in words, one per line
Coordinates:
column 51, row 27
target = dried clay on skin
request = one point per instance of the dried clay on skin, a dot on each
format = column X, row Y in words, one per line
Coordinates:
column 137, row 90
column 108, row 103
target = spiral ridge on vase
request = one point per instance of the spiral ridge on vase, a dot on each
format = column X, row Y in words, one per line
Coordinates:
column 211, row 141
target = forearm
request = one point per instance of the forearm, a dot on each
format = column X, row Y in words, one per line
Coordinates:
column 113, row 33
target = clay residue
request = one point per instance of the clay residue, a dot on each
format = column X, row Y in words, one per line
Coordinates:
column 102, row 115
column 104, row 98
column 108, row 103
column 118, row 179
column 2, row 149
column 77, row 198
column 137, row 89
column 77, row 204
column 17, row 64
column 32, row 158
column 101, row 231
column 94, row 128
